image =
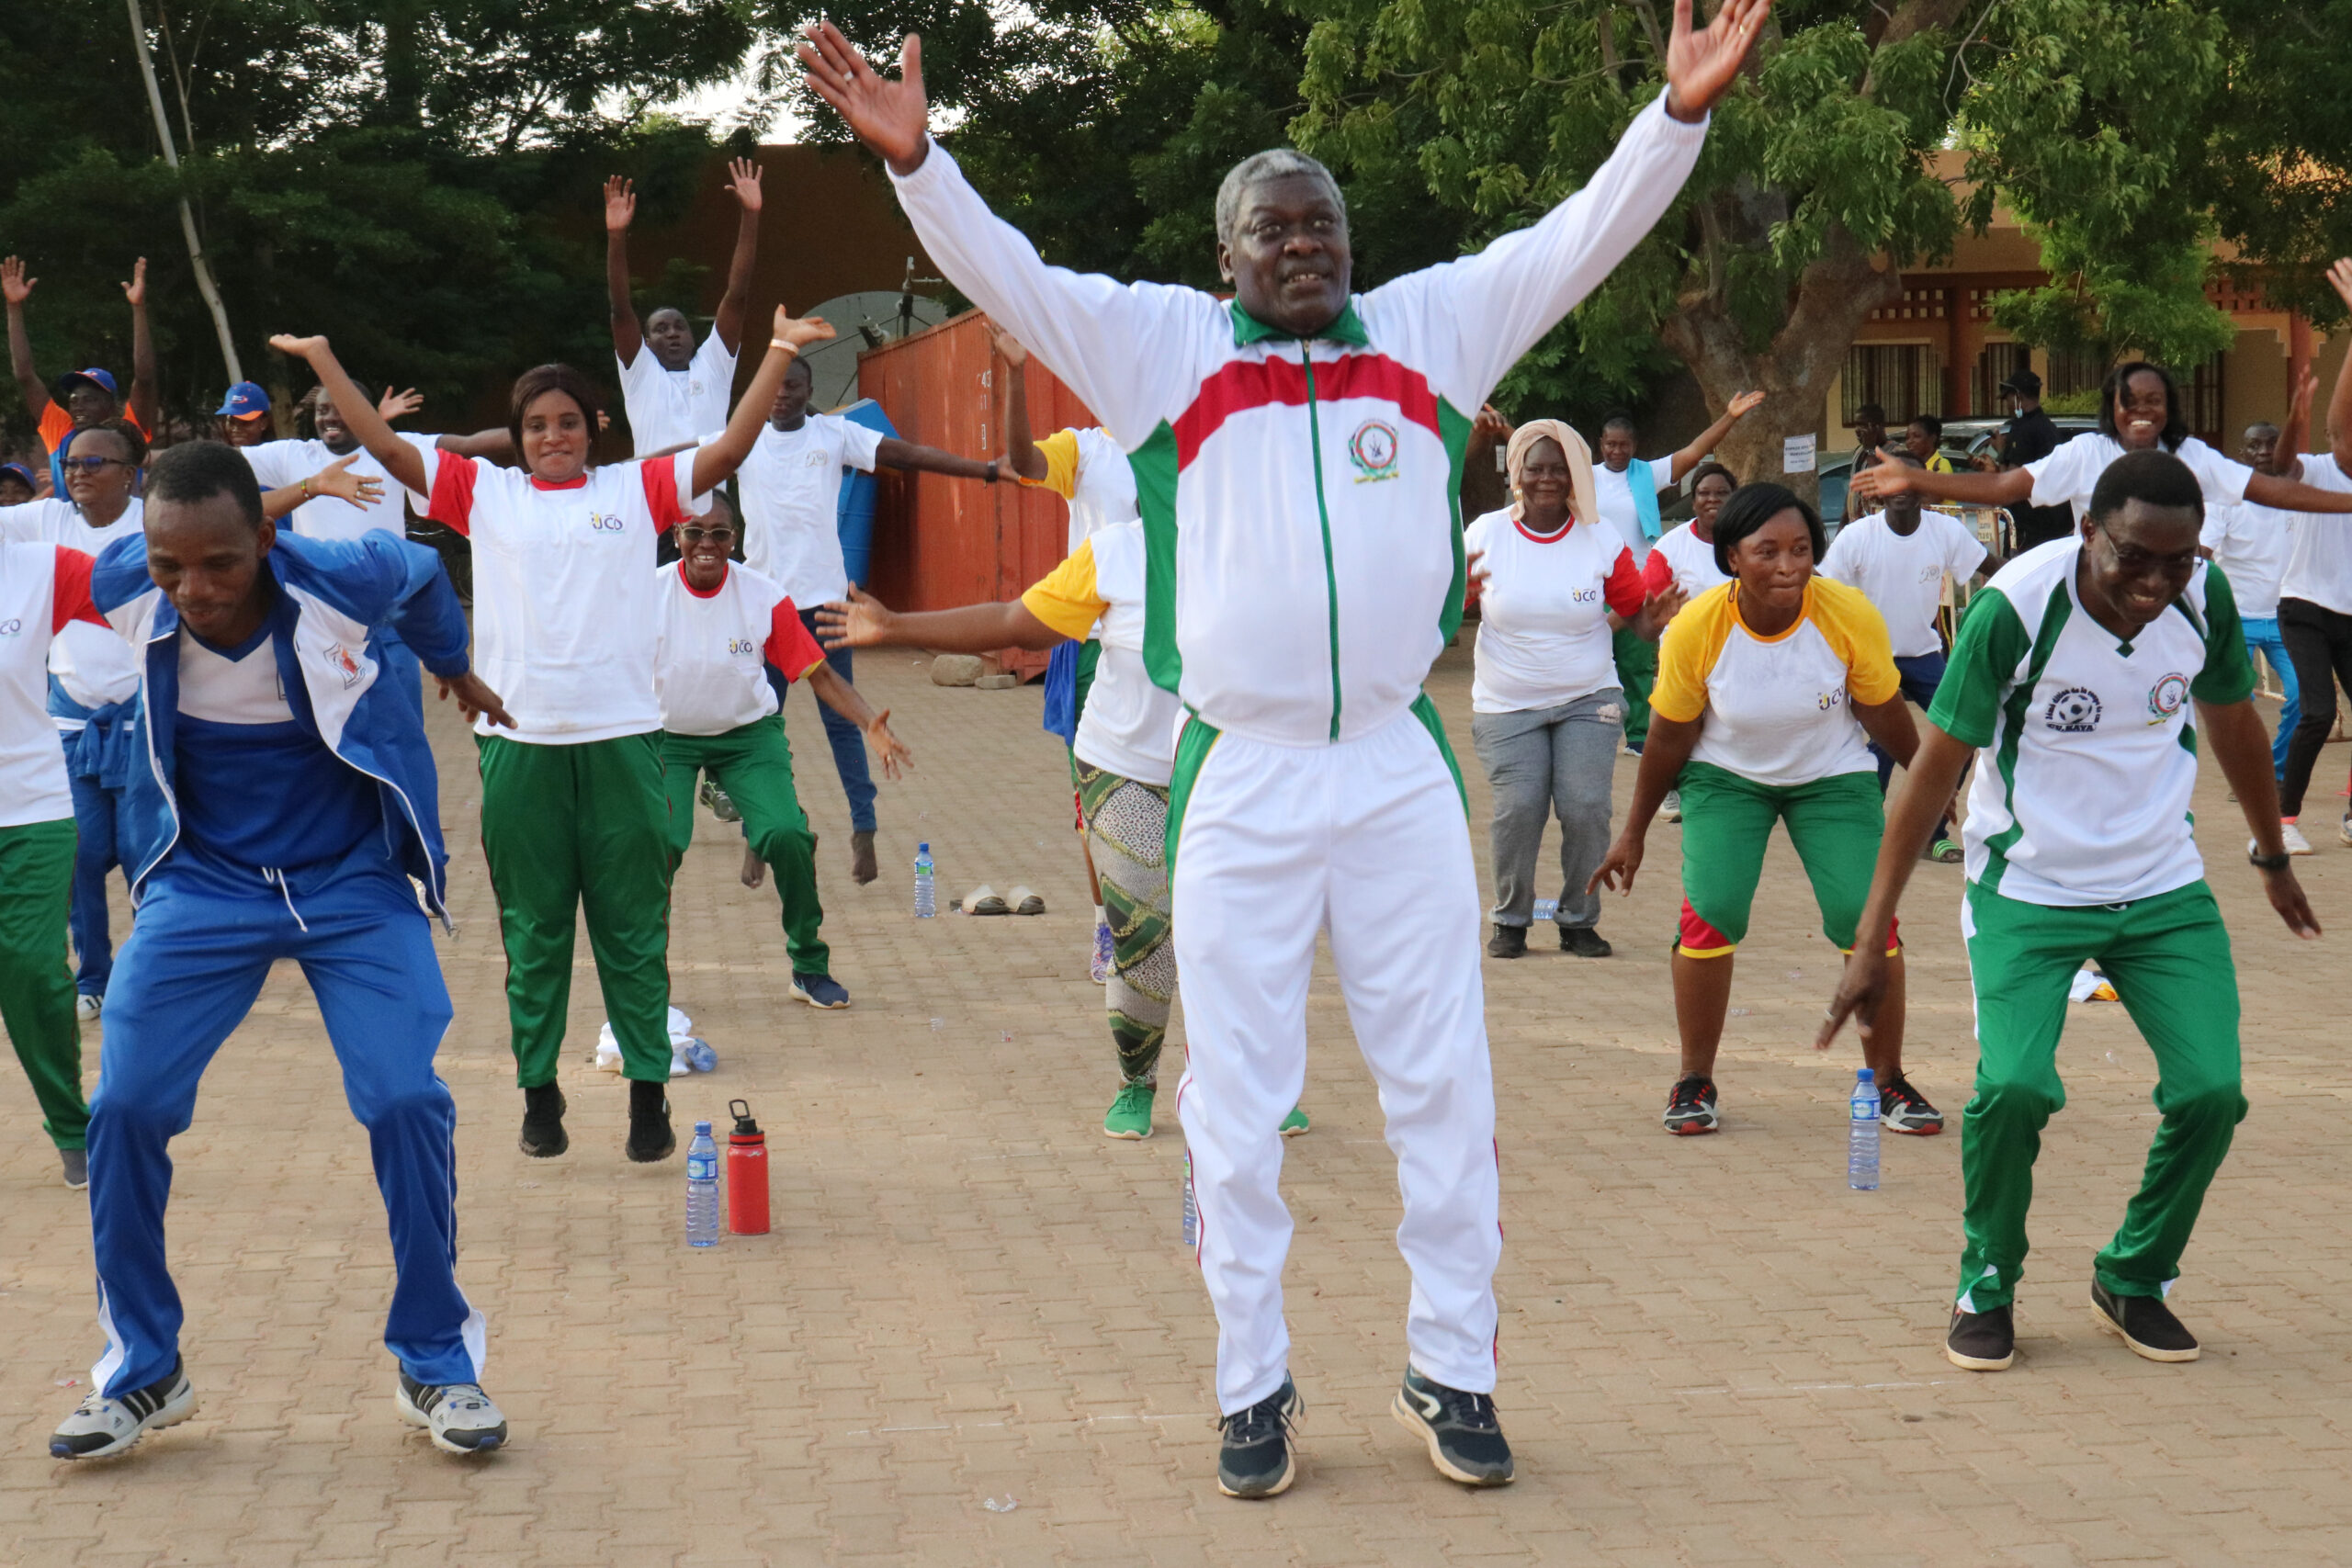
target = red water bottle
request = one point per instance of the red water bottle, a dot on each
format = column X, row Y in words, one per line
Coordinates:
column 747, row 1173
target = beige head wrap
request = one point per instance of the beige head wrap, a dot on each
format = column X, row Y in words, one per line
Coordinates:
column 1579, row 456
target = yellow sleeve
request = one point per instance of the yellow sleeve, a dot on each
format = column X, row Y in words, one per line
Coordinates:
column 1855, row 628
column 1060, row 450
column 1065, row 599
column 1687, row 654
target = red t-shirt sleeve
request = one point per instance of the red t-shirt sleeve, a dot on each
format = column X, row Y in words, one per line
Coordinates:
column 789, row 647
column 70, row 598
column 659, row 478
column 453, row 491
column 1658, row 573
column 1623, row 589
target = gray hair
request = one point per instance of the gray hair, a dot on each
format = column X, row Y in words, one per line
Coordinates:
column 1274, row 163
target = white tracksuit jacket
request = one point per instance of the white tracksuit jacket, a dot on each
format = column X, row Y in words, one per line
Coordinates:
column 1300, row 501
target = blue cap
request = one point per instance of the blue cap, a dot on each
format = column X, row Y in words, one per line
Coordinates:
column 702, row 1129
column 22, row 472
column 96, row 376
column 1865, row 1074
column 245, row 399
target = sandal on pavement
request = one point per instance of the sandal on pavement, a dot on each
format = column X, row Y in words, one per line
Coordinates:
column 985, row 900
column 1026, row 902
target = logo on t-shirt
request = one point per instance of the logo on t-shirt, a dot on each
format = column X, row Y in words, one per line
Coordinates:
column 2165, row 697
column 742, row 645
column 606, row 522
column 11, row 627
column 339, row 659
column 1833, row 698
column 2073, row 711
column 1584, row 595
column 1373, row 449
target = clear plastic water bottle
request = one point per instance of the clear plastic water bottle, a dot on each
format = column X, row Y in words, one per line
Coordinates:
column 1861, row 1137
column 702, row 1189
column 926, row 899
column 1191, row 1205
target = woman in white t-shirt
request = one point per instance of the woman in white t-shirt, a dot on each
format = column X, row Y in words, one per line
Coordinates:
column 1554, row 583
column 1685, row 558
column 574, row 811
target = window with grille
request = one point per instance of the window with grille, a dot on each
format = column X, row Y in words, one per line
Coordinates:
column 2201, row 391
column 1903, row 379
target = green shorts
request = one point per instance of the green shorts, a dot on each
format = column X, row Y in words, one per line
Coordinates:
column 1835, row 824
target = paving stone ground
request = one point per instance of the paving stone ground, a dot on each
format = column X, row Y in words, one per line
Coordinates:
column 974, row 1337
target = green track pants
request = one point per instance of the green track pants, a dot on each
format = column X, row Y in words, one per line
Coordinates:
column 35, row 980
column 753, row 765
column 2168, row 957
column 1636, row 660
column 571, row 830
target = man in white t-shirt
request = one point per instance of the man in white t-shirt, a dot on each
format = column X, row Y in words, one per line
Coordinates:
column 1899, row 558
column 790, row 489
column 676, row 394
column 2251, row 544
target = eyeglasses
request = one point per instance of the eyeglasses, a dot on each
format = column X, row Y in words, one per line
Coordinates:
column 697, row 536
column 92, row 464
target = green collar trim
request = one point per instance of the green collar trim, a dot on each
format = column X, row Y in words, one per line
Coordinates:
column 1248, row 329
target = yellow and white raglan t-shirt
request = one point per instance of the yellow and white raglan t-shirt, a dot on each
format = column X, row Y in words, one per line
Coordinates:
column 1778, row 710
column 1129, row 725
column 1087, row 468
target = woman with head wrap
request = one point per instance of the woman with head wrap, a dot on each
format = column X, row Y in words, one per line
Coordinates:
column 1546, row 710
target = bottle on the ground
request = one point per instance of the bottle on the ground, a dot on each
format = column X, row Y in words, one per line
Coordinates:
column 1861, row 1138
column 747, row 1173
column 702, row 1189
column 926, row 900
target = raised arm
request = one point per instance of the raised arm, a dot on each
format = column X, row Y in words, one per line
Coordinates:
column 743, row 183
column 713, row 460
column 620, row 208
column 2339, row 405
column 496, row 443
column 1691, row 456
column 17, row 289
column 1886, row 476
column 144, row 407
column 1020, row 452
column 2294, row 495
column 403, row 462
column 864, row 621
column 335, row 480
column 893, row 452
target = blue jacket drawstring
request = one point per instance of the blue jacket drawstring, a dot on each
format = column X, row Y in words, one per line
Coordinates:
column 276, row 879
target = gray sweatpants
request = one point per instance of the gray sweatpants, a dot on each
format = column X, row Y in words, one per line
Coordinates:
column 1538, row 762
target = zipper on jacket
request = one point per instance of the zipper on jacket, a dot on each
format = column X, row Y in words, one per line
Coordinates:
column 1323, row 513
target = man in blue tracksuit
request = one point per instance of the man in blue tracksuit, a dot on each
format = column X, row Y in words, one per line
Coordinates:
column 281, row 801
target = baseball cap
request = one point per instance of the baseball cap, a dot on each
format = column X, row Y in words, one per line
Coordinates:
column 22, row 472
column 244, row 400
column 2024, row 382
column 96, row 376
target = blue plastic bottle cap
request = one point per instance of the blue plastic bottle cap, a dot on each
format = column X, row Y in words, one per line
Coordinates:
column 922, row 849
column 1865, row 1074
column 702, row 1129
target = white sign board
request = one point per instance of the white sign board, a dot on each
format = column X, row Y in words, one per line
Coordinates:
column 1796, row 455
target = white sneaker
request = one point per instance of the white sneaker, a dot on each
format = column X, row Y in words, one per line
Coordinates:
column 100, row 1425
column 2291, row 836
column 1671, row 811
column 2344, row 831
column 459, row 1415
column 87, row 1004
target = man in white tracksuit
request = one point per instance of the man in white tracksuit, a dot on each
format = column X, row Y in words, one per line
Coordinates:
column 1298, row 456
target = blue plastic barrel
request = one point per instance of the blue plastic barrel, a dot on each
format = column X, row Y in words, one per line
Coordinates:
column 856, row 507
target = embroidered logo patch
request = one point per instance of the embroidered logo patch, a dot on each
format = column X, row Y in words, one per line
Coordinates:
column 339, row 659
column 606, row 522
column 1373, row 449
column 2165, row 697
column 2073, row 711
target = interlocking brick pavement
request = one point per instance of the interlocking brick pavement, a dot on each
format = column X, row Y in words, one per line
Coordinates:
column 1712, row 1352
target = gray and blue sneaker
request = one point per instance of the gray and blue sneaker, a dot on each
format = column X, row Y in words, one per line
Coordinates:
column 721, row 807
column 1465, row 1436
column 457, row 1416
column 77, row 1168
column 100, row 1425
column 819, row 991
column 1256, row 1460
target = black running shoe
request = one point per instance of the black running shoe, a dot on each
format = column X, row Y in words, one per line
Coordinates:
column 1902, row 1108
column 649, row 1134
column 1466, row 1439
column 100, row 1425
column 1256, row 1460
column 1509, row 942
column 2144, row 1322
column 1692, row 1106
column 1980, row 1341
column 543, row 1134
column 1584, row 942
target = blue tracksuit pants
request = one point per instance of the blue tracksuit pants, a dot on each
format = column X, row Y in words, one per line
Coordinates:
column 187, row 975
column 96, row 850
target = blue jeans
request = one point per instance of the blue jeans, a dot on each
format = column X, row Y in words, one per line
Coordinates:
column 96, row 853
column 847, row 741
column 2262, row 636
column 1921, row 674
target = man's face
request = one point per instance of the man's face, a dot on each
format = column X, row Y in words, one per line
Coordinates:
column 2141, row 409
column 1904, row 508
column 1617, row 446
column 99, row 472
column 244, row 430
column 1288, row 260
column 13, row 491
column 207, row 556
column 1870, row 430
column 792, row 398
column 670, row 338
column 2261, row 447
column 556, row 438
column 89, row 404
column 2140, row 558
column 326, row 421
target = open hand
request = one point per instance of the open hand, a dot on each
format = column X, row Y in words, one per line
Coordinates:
column 135, row 291
column 298, row 347
column 1619, row 866
column 743, row 181
column 1007, row 346
column 620, row 204
column 891, row 118
column 13, row 285
column 1745, row 403
column 1661, row 607
column 801, row 331
column 887, row 747
column 337, row 479
column 2299, row 405
column 392, row 405
column 1700, row 65
column 1883, row 478
column 1491, row 424
column 475, row 700
column 2339, row 278
column 859, row 621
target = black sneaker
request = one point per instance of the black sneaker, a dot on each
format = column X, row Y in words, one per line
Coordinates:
column 1466, row 1439
column 649, row 1136
column 1509, row 942
column 1692, row 1106
column 862, row 867
column 100, row 1425
column 1584, row 942
column 2144, row 1322
column 1256, row 1460
column 1902, row 1108
column 543, row 1134
column 1980, row 1341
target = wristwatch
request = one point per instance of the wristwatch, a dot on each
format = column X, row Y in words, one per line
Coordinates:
column 2279, row 862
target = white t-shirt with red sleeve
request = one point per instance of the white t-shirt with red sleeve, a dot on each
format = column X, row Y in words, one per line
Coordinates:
column 566, row 610
column 712, row 647
column 1543, row 633
column 43, row 589
column 1685, row 558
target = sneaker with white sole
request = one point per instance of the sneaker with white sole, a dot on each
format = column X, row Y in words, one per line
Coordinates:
column 722, row 806
column 2291, row 836
column 2344, row 830
column 459, row 1415
column 87, row 1004
column 1465, row 1436
column 818, row 990
column 100, row 1425
column 1671, row 809
column 1255, row 1458
column 1692, row 1108
column 77, row 1168
column 1902, row 1108
column 1130, row 1114
column 2143, row 1323
column 1295, row 1124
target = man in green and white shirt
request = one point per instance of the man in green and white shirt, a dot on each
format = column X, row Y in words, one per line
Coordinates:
column 2084, row 676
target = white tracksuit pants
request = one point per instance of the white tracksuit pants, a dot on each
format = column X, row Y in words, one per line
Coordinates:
column 1368, row 840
